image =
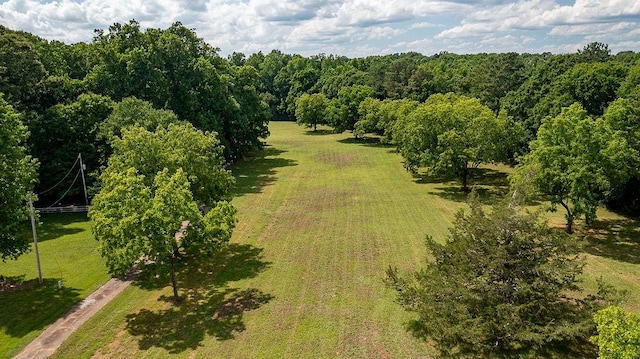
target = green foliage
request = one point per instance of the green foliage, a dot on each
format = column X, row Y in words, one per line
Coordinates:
column 61, row 133
column 576, row 161
column 497, row 288
column 20, row 67
column 449, row 134
column 155, row 184
column 343, row 110
column 17, row 178
column 497, row 75
column 594, row 84
column 174, row 69
column 134, row 112
column 618, row 333
column 311, row 110
column 298, row 76
column 198, row 153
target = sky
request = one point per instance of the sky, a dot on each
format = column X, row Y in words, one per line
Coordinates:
column 353, row 28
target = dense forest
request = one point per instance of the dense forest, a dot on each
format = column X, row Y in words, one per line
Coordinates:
column 73, row 97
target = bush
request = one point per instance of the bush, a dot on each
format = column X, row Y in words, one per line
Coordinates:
column 618, row 333
column 499, row 287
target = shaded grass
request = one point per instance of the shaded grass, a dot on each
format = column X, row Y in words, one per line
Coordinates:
column 320, row 219
column 68, row 253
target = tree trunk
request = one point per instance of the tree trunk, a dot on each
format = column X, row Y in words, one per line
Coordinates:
column 176, row 298
column 569, row 216
column 465, row 178
column 314, row 127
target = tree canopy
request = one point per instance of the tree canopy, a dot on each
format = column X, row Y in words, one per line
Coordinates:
column 163, row 195
column 17, row 178
column 576, row 161
column 498, row 287
column 449, row 134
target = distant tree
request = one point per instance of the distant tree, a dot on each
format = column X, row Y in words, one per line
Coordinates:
column 20, row 67
column 297, row 77
column 618, row 333
column 343, row 110
column 311, row 110
column 494, row 77
column 369, row 114
column 449, row 134
column 594, row 85
column 576, row 161
column 237, row 58
column 162, row 196
column 17, row 178
column 500, row 287
column 594, row 52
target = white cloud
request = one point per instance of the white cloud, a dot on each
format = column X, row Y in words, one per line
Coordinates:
column 592, row 29
column 347, row 27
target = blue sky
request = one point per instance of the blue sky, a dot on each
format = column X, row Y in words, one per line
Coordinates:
column 352, row 28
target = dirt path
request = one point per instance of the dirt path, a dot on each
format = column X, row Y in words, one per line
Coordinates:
column 47, row 343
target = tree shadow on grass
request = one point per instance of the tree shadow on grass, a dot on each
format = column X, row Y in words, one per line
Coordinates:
column 53, row 226
column 490, row 185
column 217, row 313
column 366, row 141
column 457, row 194
column 319, row 132
column 617, row 239
column 258, row 172
column 31, row 306
column 210, row 307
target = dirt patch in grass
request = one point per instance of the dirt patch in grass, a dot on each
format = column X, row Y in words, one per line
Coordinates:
column 338, row 159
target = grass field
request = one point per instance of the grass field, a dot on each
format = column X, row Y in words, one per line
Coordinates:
column 321, row 217
column 68, row 253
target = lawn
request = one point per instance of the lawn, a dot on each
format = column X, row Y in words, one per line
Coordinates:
column 68, row 253
column 321, row 216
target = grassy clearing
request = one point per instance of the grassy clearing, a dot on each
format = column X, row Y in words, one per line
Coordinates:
column 321, row 217
column 68, row 253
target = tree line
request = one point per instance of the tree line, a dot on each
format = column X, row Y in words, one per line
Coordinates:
column 570, row 121
column 158, row 114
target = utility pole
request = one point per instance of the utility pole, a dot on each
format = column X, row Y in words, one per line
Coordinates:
column 84, row 183
column 35, row 236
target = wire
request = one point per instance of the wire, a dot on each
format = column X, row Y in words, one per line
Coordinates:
column 63, row 178
column 68, row 189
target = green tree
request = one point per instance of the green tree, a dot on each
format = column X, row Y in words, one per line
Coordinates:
column 618, row 333
column 63, row 131
column 343, row 110
column 162, row 196
column 369, row 114
column 576, row 161
column 498, row 288
column 623, row 116
column 449, row 134
column 134, row 112
column 17, row 178
column 198, row 153
column 311, row 110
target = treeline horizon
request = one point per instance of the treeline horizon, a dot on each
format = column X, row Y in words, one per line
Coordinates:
column 64, row 92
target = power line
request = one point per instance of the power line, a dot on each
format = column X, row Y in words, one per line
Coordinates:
column 63, row 178
column 67, row 191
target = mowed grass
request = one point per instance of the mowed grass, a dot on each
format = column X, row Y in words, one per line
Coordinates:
column 321, row 217
column 68, row 252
